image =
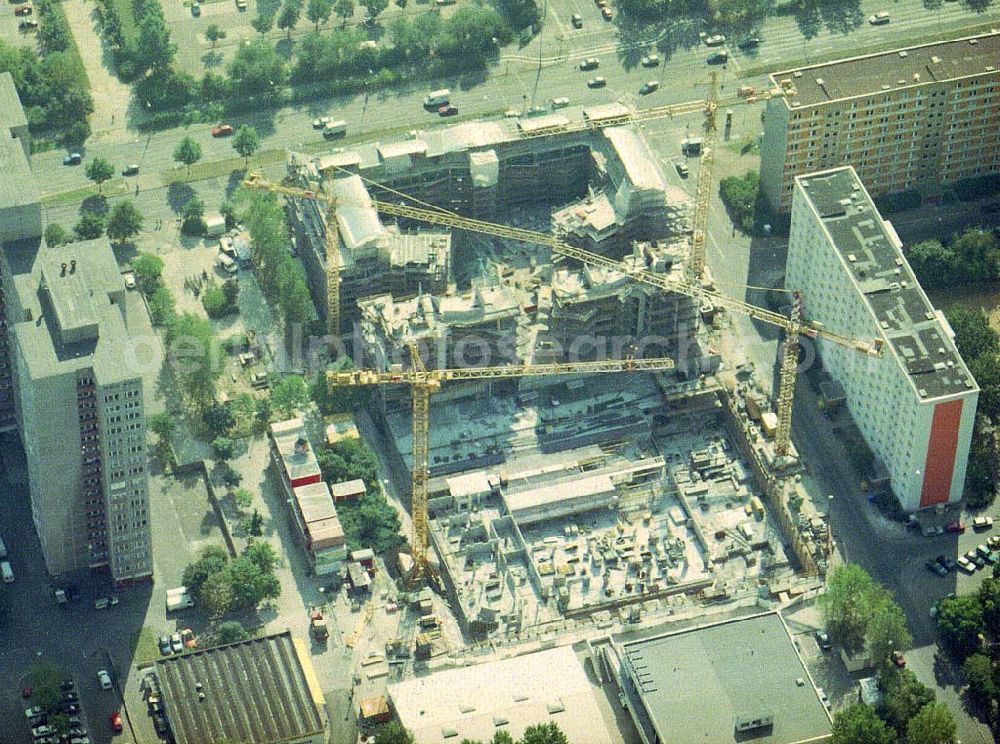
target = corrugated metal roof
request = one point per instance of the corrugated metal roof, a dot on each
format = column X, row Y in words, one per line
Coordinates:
column 257, row 691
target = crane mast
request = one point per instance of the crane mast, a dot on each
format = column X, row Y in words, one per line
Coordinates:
column 703, row 195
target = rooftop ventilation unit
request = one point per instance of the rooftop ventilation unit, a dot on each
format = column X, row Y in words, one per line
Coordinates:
column 754, row 723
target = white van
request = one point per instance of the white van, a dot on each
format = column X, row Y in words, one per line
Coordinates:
column 438, row 98
column 7, row 572
column 560, row 102
column 334, row 129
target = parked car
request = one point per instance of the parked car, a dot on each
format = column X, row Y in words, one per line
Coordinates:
column 650, row 60
column 606, row 13
column 879, row 19
column 823, row 640
column 648, row 87
column 163, row 642
column 577, row 20
column 70, row 697
column 715, row 40
column 44, row 730
column 105, row 679
column 561, row 102
column 994, row 542
column 973, row 557
column 241, row 5
column 34, row 711
column 115, row 719
column 957, row 527
column 750, row 42
column 23, row 10
column 26, row 691
column 176, row 644
column 591, row 63
column 187, row 635
column 934, row 567
column 966, row 565
column 67, row 684
column 597, row 82
column 980, row 524
column 321, row 122
column 932, row 531
column 682, row 169
column 719, row 58
column 196, row 9
column 947, row 562
column 222, row 130
column 131, row 170
column 70, row 708
column 74, row 158
column 448, row 110
column 28, row 25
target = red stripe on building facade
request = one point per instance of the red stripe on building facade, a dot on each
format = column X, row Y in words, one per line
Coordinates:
column 941, row 449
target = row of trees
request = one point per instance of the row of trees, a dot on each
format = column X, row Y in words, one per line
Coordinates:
column 979, row 346
column 223, row 586
column 972, row 257
column 140, row 43
column 931, row 723
column 281, row 277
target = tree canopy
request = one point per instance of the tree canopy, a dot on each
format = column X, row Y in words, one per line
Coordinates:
column 861, row 614
column 187, row 152
column 973, row 335
column 194, row 356
column 99, row 170
column 858, row 724
column 933, row 724
column 290, row 396
column 124, row 222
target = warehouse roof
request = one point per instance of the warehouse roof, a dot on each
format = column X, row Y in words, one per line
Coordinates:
column 11, row 110
column 263, row 690
column 910, row 67
column 511, row 694
column 870, row 251
column 742, row 669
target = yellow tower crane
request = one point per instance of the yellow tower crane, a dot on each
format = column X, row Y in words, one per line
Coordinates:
column 423, row 382
column 331, row 245
column 793, row 325
column 703, row 195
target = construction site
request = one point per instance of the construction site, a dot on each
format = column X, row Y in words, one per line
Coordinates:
column 531, row 304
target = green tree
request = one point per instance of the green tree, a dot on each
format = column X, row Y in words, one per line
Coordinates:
column 959, row 622
column 904, row 695
column 858, row 724
column 195, row 357
column 973, row 335
column 124, row 221
column 243, row 498
column 933, row 724
column 989, row 600
column 214, row 34
column 223, row 448
column 262, row 555
column 338, row 399
column 217, row 594
column 246, row 142
column 986, row 370
column 349, row 459
column 344, row 9
column 187, row 152
column 370, row 522
column 218, row 419
column 161, row 306
column 163, row 426
column 374, row 7
column 978, row 251
column 148, row 270
column 319, row 11
column 255, row 524
column 215, row 303
column 60, row 722
column 55, row 234
column 978, row 671
column 393, row 733
column 502, row 736
column 231, row 631
column 211, row 560
column 192, row 216
column 845, row 605
column 256, row 69
column 228, row 476
column 290, row 396
column 99, row 170
column 544, row 733
column 263, row 23
column 289, row 16
column 89, row 226
column 231, row 289
column 154, row 41
column 886, row 629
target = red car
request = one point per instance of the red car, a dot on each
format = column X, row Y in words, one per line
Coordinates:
column 23, row 10
column 115, row 719
column 26, row 691
column 956, row 526
column 223, row 130
column 448, row 110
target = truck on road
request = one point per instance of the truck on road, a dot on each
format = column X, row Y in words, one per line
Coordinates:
column 317, row 625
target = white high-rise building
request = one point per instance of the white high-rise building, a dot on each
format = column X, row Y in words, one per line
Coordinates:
column 915, row 404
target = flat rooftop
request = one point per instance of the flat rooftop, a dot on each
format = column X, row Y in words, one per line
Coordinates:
column 871, row 252
column 696, row 684
column 297, row 455
column 263, row 690
column 511, row 694
column 908, row 67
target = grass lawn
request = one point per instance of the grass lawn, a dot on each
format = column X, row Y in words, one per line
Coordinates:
column 144, row 647
column 124, row 8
